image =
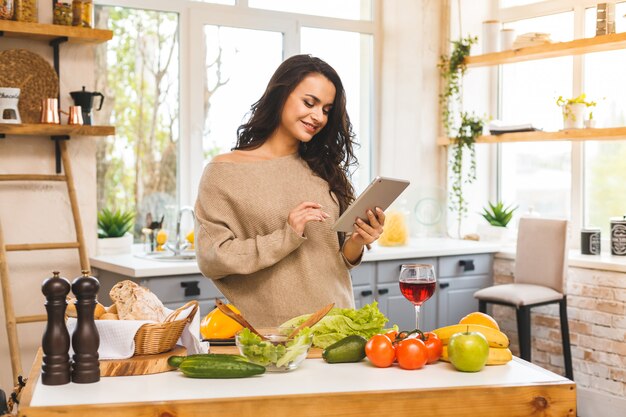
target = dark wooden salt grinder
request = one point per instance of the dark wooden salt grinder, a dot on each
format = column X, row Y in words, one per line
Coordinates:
column 55, row 343
column 85, row 339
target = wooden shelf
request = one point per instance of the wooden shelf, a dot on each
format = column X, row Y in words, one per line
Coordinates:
column 609, row 133
column 55, row 130
column 552, row 50
column 40, row 31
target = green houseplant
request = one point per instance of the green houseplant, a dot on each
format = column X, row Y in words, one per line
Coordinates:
column 498, row 215
column 113, row 232
column 461, row 127
column 574, row 110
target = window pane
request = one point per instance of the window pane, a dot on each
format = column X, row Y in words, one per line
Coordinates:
column 343, row 9
column 138, row 72
column 604, row 161
column 353, row 63
column 537, row 175
column 512, row 3
column 239, row 64
column 227, row 2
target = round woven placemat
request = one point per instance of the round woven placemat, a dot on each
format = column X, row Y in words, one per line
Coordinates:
column 33, row 75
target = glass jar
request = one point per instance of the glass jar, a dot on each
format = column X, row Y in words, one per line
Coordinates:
column 77, row 13
column 62, row 13
column 26, row 11
column 87, row 15
column 6, row 9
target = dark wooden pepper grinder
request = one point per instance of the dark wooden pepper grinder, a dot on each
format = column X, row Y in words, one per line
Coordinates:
column 55, row 343
column 85, row 339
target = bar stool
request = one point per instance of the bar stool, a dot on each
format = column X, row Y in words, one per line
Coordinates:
column 540, row 267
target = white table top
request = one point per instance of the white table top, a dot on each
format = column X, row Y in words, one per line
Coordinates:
column 132, row 266
column 313, row 377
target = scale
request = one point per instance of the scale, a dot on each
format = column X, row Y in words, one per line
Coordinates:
column 9, row 98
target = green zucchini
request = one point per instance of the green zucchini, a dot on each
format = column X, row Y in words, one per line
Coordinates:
column 202, row 367
column 175, row 361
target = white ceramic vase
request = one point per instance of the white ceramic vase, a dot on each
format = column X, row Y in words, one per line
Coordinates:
column 573, row 115
column 114, row 245
column 491, row 233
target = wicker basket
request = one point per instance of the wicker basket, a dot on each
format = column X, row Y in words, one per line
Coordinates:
column 155, row 338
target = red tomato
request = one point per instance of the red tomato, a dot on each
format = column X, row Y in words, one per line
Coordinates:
column 380, row 351
column 411, row 353
column 392, row 334
column 434, row 346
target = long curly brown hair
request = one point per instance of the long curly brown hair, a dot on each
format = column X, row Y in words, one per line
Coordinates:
column 330, row 153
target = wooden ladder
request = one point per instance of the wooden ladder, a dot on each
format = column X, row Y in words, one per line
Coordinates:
column 11, row 320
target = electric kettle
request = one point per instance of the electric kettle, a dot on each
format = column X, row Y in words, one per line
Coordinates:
column 84, row 99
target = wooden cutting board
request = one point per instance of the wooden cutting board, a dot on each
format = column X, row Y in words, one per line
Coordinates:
column 140, row 365
column 314, row 353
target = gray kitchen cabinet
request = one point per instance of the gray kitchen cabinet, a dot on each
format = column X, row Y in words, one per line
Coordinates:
column 458, row 277
column 363, row 294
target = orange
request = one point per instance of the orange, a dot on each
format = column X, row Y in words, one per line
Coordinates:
column 217, row 325
column 480, row 318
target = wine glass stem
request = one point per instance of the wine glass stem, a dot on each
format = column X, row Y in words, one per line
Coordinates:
column 417, row 317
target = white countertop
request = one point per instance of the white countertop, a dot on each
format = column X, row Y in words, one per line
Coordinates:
column 313, row 377
column 132, row 266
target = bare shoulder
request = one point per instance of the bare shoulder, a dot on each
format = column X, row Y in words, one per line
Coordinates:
column 225, row 157
column 238, row 156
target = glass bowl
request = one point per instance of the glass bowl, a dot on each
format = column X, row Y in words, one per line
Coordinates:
column 277, row 354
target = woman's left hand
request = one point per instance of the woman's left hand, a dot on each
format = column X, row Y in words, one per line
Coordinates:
column 364, row 233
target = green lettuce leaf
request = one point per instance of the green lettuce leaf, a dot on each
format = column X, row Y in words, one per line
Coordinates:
column 342, row 322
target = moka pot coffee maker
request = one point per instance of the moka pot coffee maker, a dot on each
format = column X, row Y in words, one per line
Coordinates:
column 85, row 99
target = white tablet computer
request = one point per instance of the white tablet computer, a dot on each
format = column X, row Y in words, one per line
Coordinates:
column 380, row 193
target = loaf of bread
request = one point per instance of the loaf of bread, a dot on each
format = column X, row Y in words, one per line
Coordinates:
column 71, row 309
column 136, row 303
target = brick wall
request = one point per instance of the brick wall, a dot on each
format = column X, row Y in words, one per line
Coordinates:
column 597, row 322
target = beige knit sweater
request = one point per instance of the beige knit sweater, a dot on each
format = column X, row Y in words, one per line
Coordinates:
column 245, row 245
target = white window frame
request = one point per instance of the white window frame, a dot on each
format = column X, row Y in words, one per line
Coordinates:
column 577, row 164
column 193, row 16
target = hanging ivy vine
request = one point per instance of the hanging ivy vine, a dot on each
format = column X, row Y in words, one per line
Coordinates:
column 452, row 68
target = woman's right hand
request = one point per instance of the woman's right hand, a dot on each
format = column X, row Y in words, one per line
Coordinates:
column 304, row 213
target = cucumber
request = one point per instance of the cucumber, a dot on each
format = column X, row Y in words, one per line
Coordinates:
column 348, row 349
column 203, row 367
column 175, row 361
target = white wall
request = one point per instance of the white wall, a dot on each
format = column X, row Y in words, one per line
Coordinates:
column 40, row 212
column 409, row 99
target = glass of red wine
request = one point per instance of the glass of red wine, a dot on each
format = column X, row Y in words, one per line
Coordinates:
column 417, row 284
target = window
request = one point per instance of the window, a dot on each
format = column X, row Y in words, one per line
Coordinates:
column 239, row 63
column 344, row 9
column 536, row 176
column 180, row 80
column 581, row 181
column 604, row 174
column 138, row 72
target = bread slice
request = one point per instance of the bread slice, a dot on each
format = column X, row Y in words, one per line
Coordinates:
column 134, row 302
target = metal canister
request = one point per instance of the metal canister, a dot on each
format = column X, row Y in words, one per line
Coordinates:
column 618, row 236
column 590, row 242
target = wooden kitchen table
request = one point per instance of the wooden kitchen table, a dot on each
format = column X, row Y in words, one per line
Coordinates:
column 316, row 388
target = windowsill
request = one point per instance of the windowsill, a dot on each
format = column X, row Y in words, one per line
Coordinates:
column 604, row 262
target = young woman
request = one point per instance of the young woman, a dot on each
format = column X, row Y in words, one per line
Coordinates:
column 265, row 210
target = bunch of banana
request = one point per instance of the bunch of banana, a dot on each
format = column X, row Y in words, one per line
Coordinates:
column 499, row 353
column 497, row 356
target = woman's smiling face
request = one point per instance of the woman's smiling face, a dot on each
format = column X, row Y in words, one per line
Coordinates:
column 306, row 110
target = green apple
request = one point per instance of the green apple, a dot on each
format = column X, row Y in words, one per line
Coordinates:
column 468, row 351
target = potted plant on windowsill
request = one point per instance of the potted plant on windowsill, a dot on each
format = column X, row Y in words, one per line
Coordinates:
column 574, row 110
column 113, row 232
column 498, row 217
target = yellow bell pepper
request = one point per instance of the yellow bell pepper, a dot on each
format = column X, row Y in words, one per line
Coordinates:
column 217, row 325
